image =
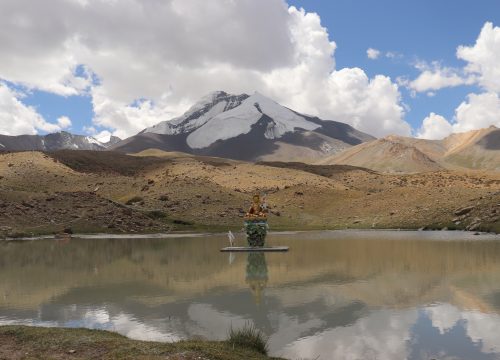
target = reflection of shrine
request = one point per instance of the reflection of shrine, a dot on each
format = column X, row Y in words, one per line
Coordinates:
column 256, row 274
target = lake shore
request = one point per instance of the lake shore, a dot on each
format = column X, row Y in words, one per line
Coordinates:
column 344, row 233
column 85, row 193
column 26, row 342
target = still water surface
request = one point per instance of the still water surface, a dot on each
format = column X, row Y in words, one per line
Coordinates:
column 335, row 295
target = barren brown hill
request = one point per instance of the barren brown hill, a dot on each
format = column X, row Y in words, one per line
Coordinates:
column 390, row 155
column 476, row 149
column 85, row 191
column 479, row 149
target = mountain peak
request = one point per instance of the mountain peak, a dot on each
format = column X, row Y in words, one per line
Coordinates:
column 246, row 127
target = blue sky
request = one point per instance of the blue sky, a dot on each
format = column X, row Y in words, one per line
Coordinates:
column 406, row 33
column 428, row 30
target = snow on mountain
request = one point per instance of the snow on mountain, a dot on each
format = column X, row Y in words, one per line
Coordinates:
column 246, row 127
column 92, row 140
column 208, row 107
column 52, row 142
column 220, row 116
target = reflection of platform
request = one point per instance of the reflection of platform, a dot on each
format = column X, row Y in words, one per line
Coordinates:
column 255, row 249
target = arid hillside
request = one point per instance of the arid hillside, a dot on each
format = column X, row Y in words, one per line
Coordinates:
column 156, row 191
column 476, row 149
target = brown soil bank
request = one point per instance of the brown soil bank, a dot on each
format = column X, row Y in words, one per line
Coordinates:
column 156, row 191
column 23, row 342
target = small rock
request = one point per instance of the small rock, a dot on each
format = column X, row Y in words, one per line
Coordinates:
column 464, row 210
column 71, row 351
column 473, row 227
column 68, row 231
column 299, row 193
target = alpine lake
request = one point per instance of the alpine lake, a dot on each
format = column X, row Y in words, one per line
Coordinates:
column 335, row 295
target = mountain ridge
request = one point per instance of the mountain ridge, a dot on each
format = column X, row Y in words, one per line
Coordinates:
column 246, row 127
column 54, row 141
column 474, row 149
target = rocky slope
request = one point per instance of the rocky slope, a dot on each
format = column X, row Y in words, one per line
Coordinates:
column 156, row 191
column 53, row 142
column 476, row 149
column 246, row 127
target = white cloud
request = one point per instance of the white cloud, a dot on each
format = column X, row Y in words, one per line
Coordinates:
column 17, row 119
column 380, row 335
column 104, row 136
column 478, row 111
column 444, row 316
column 483, row 67
column 483, row 57
column 89, row 130
column 479, row 327
column 64, row 122
column 393, row 55
column 167, row 54
column 372, row 53
column 436, row 79
column 434, row 127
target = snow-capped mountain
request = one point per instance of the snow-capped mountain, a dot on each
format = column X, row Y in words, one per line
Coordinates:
column 246, row 127
column 52, row 142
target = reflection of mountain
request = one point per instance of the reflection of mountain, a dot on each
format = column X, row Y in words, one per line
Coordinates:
column 326, row 287
column 31, row 273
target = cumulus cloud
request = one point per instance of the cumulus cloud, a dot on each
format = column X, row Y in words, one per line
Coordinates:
column 478, row 111
column 482, row 66
column 148, row 61
column 380, row 335
column 372, row 53
column 64, row 122
column 434, row 127
column 479, row 327
column 481, row 110
column 17, row 118
column 482, row 69
column 103, row 136
column 437, row 78
column 482, row 58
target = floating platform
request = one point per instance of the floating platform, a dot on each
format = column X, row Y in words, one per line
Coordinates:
column 255, row 249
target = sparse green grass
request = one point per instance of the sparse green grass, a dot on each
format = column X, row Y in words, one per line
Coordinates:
column 61, row 343
column 134, row 200
column 156, row 214
column 248, row 337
